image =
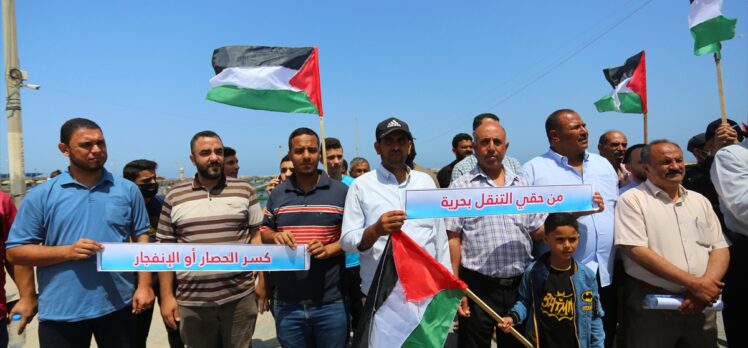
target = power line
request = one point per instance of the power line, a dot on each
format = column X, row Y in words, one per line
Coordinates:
column 548, row 70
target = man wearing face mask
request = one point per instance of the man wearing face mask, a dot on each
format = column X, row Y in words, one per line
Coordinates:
column 143, row 173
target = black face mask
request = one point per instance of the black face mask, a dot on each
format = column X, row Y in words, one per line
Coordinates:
column 148, row 190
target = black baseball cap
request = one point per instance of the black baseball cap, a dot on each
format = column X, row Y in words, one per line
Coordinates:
column 390, row 125
column 696, row 142
column 711, row 129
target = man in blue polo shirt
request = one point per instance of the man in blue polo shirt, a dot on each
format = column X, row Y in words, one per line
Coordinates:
column 307, row 208
column 59, row 229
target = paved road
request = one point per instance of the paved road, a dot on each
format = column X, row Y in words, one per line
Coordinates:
column 264, row 332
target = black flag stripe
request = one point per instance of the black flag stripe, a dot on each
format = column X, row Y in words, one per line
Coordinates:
column 385, row 280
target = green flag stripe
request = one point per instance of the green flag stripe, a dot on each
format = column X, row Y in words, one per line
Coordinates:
column 437, row 319
column 273, row 100
column 710, row 32
column 630, row 103
column 605, row 104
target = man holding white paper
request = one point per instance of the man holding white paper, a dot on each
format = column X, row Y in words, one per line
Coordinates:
column 490, row 253
column 373, row 207
column 211, row 309
column 59, row 229
column 672, row 244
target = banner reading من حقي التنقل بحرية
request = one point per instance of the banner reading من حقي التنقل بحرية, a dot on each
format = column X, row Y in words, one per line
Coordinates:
column 442, row 203
column 122, row 257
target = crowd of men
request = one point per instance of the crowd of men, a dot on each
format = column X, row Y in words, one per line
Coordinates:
column 659, row 227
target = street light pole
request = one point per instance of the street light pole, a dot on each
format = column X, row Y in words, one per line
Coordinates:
column 14, row 79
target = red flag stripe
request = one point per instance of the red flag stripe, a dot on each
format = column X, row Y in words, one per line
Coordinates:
column 420, row 274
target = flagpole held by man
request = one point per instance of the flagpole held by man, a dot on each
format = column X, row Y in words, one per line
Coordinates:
column 412, row 300
column 709, row 28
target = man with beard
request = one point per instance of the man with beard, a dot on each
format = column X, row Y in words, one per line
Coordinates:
column 142, row 172
column 568, row 162
column 633, row 162
column 211, row 309
column 230, row 163
column 373, row 207
column 60, row 227
column 490, row 253
column 612, row 145
column 462, row 146
column 309, row 307
column 672, row 244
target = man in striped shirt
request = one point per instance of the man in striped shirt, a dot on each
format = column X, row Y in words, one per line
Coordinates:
column 307, row 208
column 212, row 309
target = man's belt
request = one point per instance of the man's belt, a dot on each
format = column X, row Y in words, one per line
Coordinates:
column 503, row 282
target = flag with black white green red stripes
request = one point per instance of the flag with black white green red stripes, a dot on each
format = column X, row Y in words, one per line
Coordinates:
column 284, row 79
column 412, row 300
column 629, row 81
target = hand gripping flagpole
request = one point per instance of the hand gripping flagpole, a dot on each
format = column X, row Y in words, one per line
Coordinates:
column 723, row 108
column 496, row 317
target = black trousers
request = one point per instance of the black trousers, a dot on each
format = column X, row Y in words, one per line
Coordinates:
column 609, row 301
column 111, row 331
column 477, row 329
column 354, row 295
column 734, row 293
column 141, row 323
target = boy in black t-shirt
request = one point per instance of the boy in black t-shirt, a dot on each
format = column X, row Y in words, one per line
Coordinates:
column 558, row 294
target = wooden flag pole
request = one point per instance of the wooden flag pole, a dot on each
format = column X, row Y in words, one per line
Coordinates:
column 496, row 317
column 723, row 108
column 646, row 130
column 322, row 142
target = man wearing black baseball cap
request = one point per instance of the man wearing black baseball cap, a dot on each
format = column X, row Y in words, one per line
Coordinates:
column 374, row 206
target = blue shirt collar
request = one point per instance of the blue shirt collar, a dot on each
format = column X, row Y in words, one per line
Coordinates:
column 563, row 159
column 66, row 179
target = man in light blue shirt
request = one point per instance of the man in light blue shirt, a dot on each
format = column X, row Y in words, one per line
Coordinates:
column 59, row 229
column 468, row 163
column 374, row 205
column 729, row 175
column 567, row 162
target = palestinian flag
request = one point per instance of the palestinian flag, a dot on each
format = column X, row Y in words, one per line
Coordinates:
column 412, row 300
column 629, row 94
column 284, row 79
column 709, row 26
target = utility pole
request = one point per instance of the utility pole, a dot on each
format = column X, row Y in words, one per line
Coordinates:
column 355, row 134
column 14, row 80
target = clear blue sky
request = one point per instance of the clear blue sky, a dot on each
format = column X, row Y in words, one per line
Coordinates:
column 141, row 69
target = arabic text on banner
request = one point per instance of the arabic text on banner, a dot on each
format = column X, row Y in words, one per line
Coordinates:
column 440, row 203
column 120, row 257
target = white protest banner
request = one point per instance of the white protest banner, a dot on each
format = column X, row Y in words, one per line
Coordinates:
column 441, row 203
column 121, row 257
